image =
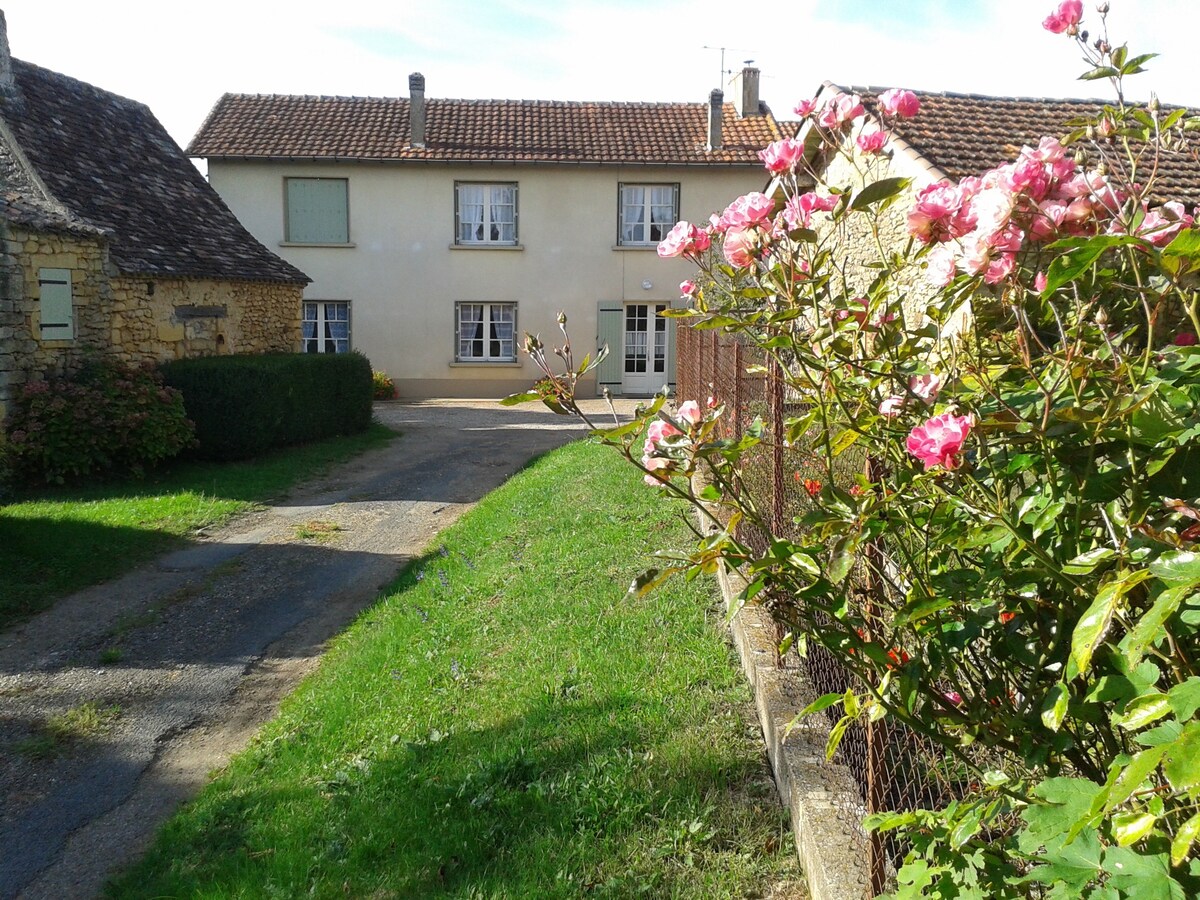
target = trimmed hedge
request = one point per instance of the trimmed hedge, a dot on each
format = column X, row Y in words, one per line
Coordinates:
column 244, row 405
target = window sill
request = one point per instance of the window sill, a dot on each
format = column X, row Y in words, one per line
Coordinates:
column 349, row 246
column 626, row 247
column 486, row 246
column 486, row 364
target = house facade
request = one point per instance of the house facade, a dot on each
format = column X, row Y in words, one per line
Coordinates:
column 113, row 245
column 436, row 231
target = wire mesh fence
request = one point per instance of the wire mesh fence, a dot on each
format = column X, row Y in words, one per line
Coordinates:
column 896, row 770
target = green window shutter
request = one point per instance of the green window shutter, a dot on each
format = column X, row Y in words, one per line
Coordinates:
column 672, row 331
column 318, row 211
column 57, row 313
column 610, row 325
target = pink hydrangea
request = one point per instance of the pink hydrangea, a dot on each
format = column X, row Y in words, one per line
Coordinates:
column 872, row 141
column 899, row 103
column 1065, row 18
column 684, row 239
column 939, row 441
column 840, row 109
column 782, row 156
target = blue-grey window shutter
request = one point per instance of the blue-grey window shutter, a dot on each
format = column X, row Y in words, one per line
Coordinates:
column 610, row 322
column 57, row 315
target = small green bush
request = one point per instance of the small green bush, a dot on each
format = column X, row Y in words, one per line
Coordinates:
column 105, row 417
column 244, row 405
column 385, row 388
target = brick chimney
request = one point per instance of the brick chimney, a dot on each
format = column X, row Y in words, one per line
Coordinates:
column 416, row 109
column 716, row 103
column 745, row 95
column 8, row 83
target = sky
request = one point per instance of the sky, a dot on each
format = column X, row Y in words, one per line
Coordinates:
column 178, row 58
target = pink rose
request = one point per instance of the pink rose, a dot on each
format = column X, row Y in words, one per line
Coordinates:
column 896, row 102
column 871, row 141
column 754, row 208
column 925, row 386
column 689, row 411
column 939, row 441
column 1065, row 18
column 941, row 266
column 1185, row 339
column 687, row 288
column 740, row 245
column 1160, row 226
column 805, row 108
column 841, row 109
column 1039, row 282
column 797, row 212
column 782, row 156
column 684, row 239
column 891, row 407
column 954, row 697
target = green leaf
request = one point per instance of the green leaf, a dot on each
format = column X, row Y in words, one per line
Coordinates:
column 1149, row 627
column 1181, row 845
column 1074, row 865
column 1145, row 877
column 1186, row 244
column 1129, row 828
column 1098, row 73
column 1080, row 256
column 1182, row 765
column 843, row 441
column 1134, row 66
column 1177, row 567
column 1064, row 801
column 879, row 190
column 835, row 736
column 821, row 703
column 1185, row 698
column 514, row 399
column 1054, row 709
column 1087, row 562
column 1143, row 710
column 1094, row 624
column 1133, row 776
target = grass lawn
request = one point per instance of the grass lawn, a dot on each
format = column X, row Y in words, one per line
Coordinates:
column 506, row 722
column 58, row 540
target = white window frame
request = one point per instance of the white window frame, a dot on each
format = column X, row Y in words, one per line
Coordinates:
column 645, row 208
column 325, row 326
column 56, row 295
column 488, row 335
column 488, row 221
column 289, row 226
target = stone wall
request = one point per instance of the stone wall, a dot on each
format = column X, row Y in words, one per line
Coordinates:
column 134, row 319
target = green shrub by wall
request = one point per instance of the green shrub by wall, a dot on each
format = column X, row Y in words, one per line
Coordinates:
column 243, row 405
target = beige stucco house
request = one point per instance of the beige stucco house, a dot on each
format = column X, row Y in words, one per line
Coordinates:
column 437, row 231
column 114, row 244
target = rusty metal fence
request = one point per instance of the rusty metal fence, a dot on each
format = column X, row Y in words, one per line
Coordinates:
column 895, row 769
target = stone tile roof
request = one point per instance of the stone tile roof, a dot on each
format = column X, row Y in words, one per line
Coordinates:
column 967, row 134
column 255, row 126
column 86, row 158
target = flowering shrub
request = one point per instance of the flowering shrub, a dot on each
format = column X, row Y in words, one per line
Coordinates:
column 106, row 417
column 1026, row 525
column 383, row 388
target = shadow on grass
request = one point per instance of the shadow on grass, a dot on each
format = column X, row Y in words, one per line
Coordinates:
column 564, row 801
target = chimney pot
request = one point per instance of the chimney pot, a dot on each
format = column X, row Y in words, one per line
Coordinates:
column 745, row 96
column 416, row 109
column 716, row 106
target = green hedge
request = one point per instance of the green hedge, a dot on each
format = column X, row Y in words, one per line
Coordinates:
column 244, row 405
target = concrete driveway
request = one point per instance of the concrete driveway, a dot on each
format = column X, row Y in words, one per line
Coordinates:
column 213, row 636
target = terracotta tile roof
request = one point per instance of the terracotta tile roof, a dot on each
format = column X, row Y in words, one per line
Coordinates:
column 86, row 158
column 255, row 126
column 966, row 134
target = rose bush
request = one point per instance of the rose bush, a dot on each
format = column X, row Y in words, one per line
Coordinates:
column 1025, row 527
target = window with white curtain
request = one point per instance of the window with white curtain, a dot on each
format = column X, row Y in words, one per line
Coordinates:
column 486, row 332
column 325, row 326
column 648, row 212
column 485, row 213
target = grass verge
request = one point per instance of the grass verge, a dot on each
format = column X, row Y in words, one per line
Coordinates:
column 59, row 540
column 505, row 722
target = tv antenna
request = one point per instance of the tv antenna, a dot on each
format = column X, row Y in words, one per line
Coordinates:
column 724, row 71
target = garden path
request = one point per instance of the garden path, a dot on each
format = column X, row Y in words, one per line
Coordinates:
column 207, row 640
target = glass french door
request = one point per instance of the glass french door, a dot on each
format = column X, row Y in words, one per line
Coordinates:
column 645, row 349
